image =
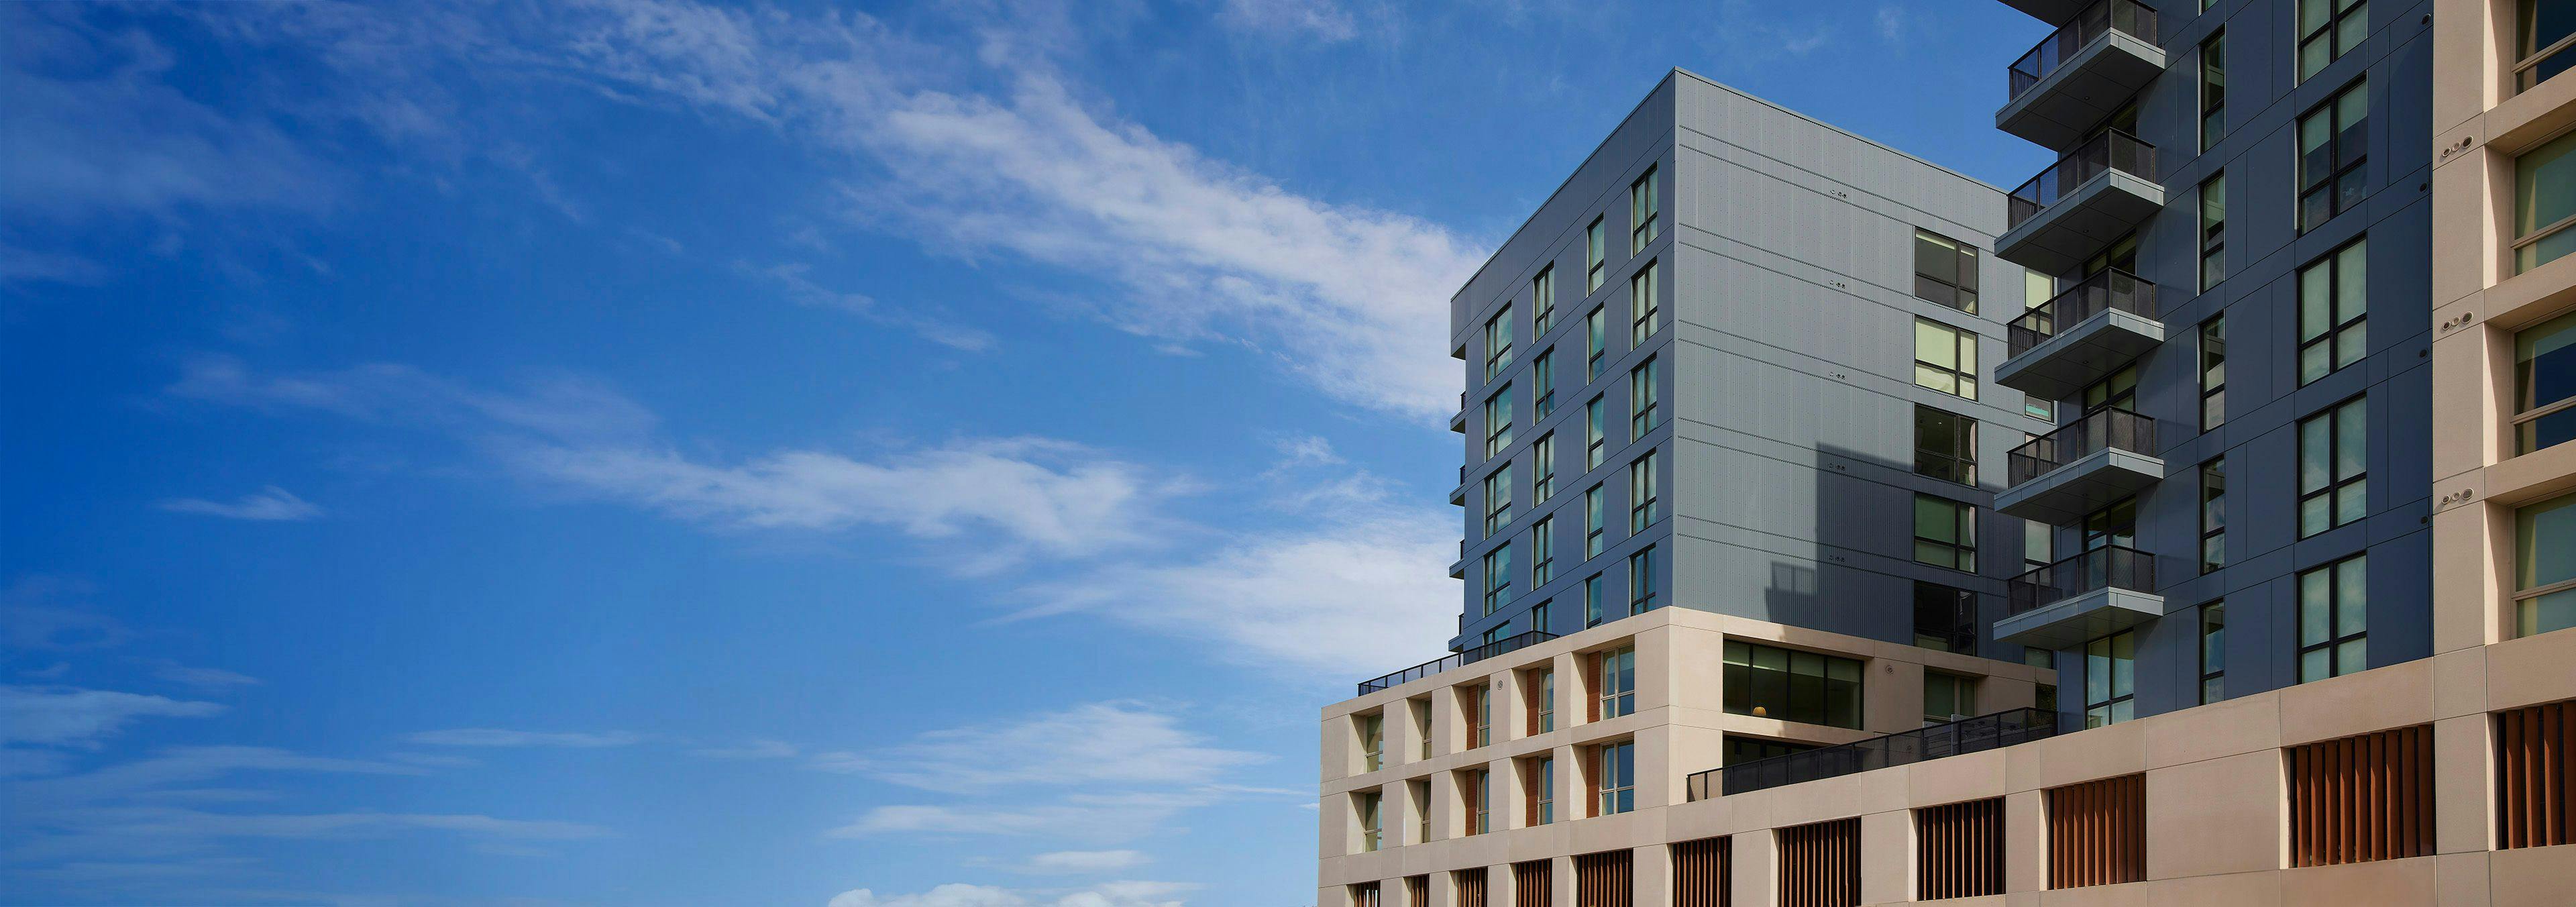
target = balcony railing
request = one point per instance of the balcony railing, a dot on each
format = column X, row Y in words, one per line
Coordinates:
column 1471, row 656
column 1957, row 738
column 2137, row 20
column 2111, row 150
column 2093, row 432
column 2111, row 289
column 2111, row 567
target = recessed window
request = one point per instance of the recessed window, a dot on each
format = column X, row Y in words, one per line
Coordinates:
column 1542, row 701
column 2334, row 145
column 1945, row 445
column 1480, row 710
column 1643, row 502
column 1641, row 580
column 2334, row 619
column 1542, row 785
column 1592, row 434
column 1543, row 469
column 1948, row 697
column 2544, row 597
column 2328, row 29
column 1945, row 533
column 1596, row 341
column 1615, row 676
column 1543, row 298
column 1543, row 377
column 2213, row 515
column 1498, row 499
column 1945, row 271
column 1498, row 421
column 1644, row 304
column 2213, row 231
column 1367, row 805
column 2334, row 464
column 2545, row 30
column 1618, row 765
column 1945, row 618
column 1421, row 793
column 1645, row 212
column 1542, row 554
column 1498, row 343
column 2213, row 373
column 2213, row 652
column 1645, row 400
column 1592, row 522
column 1945, row 358
column 2544, row 203
column 1372, row 730
column 1480, row 801
column 2110, row 679
column 1498, row 578
column 2334, row 311
column 1594, row 249
column 1791, row 685
column 2213, row 88
column 2544, row 381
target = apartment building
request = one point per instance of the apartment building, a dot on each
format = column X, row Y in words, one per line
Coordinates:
column 2362, row 205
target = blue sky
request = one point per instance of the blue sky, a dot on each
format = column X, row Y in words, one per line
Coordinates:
column 642, row 452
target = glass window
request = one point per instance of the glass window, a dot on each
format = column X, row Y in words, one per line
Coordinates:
column 2334, row 619
column 2213, row 652
column 1645, row 208
column 1543, row 298
column 1542, row 556
column 1645, row 399
column 1421, row 791
column 1596, row 341
column 1643, row 502
column 1644, row 304
column 1945, row 358
column 1618, row 778
column 1368, row 809
column 2544, row 381
column 1741, row 749
column 2118, row 390
column 1480, row 710
column 2213, row 373
column 2113, row 524
column 2334, row 462
column 2544, row 203
column 1546, row 686
column 1948, row 697
column 1945, row 618
column 1372, row 742
column 2333, row 147
column 2213, row 87
column 1544, row 778
column 1498, row 577
column 1538, row 616
column 1543, row 469
column 1543, row 376
column 2038, row 545
column 1498, row 421
column 1498, row 343
column 1592, row 434
column 2545, row 566
column 1592, row 522
column 2110, row 679
column 1422, row 725
column 1945, row 271
column 2213, row 231
column 1617, row 681
column 1945, row 445
column 1945, row 533
column 1592, row 600
column 2037, row 290
column 1791, row 685
column 1641, row 580
column 1480, row 817
column 2213, row 514
column 1593, row 251
column 1498, row 499
column 2334, row 311
column 2328, row 29
column 2545, row 29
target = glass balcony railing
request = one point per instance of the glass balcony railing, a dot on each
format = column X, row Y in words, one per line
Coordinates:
column 2111, row 289
column 2109, row 567
column 2110, row 150
column 2137, row 20
column 2093, row 432
column 1957, row 738
column 1461, row 659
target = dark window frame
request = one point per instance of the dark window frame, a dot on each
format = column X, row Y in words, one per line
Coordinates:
column 2338, row 197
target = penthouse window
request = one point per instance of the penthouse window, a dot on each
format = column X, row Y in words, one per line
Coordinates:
column 1791, row 685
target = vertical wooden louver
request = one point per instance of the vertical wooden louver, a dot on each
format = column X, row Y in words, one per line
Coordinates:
column 1820, row 864
column 2097, row 832
column 1417, row 891
column 1591, row 687
column 1604, row 879
column 1529, row 702
column 1531, row 883
column 1960, row 850
column 1471, row 886
column 1364, row 894
column 2533, row 783
column 1701, row 872
column 1529, row 793
column 2362, row 798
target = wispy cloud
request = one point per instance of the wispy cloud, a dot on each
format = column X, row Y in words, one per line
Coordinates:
column 67, row 716
column 1325, row 20
column 499, row 737
column 1084, row 861
column 797, row 279
column 1104, row 743
column 270, row 503
column 749, row 749
column 209, row 679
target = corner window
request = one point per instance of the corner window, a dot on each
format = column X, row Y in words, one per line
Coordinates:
column 1498, row 578
column 2544, row 558
column 1592, row 522
column 1791, row 685
column 2213, row 87
column 2334, row 311
column 1616, row 677
column 1644, row 304
column 2333, row 147
column 1645, row 212
column 2213, row 652
column 1945, row 271
column 2334, row 464
column 1945, row 358
column 1643, row 502
column 2544, row 384
column 2213, row 373
column 1645, row 399
column 1641, row 580
column 2544, row 31
column 1618, row 762
column 1498, row 343
column 2213, row 231
column 2334, row 619
column 1945, row 445
column 1593, row 251
column 2328, row 29
column 1945, row 618
column 2110, row 679
column 2544, row 203
column 1498, row 499
column 1945, row 533
column 1498, row 421
column 1948, row 697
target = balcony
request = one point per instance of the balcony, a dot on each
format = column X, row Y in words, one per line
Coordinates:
column 2053, row 12
column 1460, row 659
column 2088, row 596
column 2082, row 203
column 2101, row 457
column 2080, row 74
column 1458, row 420
column 1957, row 738
column 2081, row 336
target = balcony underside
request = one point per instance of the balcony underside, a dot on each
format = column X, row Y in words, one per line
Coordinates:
column 2076, row 619
column 2053, row 12
column 2083, row 91
column 2064, row 495
column 2085, row 221
column 2060, row 367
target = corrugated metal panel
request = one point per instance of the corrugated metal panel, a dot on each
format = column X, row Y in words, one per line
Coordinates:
column 1820, row 864
column 1701, row 872
column 2533, row 785
column 1960, row 849
column 1531, row 883
column 2362, row 798
column 1604, row 879
column 2097, row 832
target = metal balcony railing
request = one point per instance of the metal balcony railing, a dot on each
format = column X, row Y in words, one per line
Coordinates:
column 2111, row 289
column 2110, row 567
column 2111, row 150
column 1471, row 656
column 1957, row 738
column 2107, row 428
column 2137, row 20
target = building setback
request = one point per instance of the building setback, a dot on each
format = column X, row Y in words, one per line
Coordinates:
column 2218, row 471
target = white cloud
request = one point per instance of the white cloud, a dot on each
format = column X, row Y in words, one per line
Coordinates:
column 1084, row 861
column 64, row 716
column 1105, row 817
column 202, row 678
column 1092, row 744
column 1323, row 19
column 804, row 289
column 1108, row 894
column 270, row 503
column 498, row 737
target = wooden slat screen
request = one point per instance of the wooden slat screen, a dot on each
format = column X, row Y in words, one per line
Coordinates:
column 1591, row 686
column 1701, row 872
column 1471, row 886
column 1364, row 894
column 1529, row 702
column 1591, row 781
column 1529, row 793
column 1604, row 879
column 1417, row 891
column 2097, row 832
column 1960, row 850
column 1820, row 864
column 2362, row 798
column 1530, row 883
column 2533, row 783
